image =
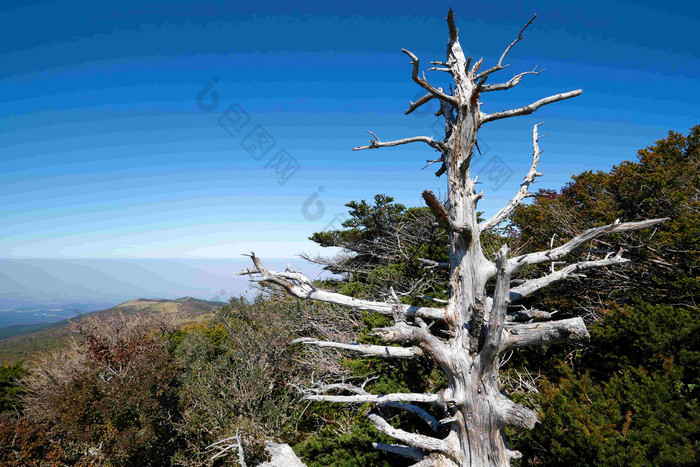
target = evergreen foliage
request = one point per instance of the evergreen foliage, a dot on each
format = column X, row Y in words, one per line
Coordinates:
column 9, row 388
column 631, row 397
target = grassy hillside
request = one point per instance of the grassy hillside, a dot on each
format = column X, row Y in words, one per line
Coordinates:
column 23, row 329
column 26, row 342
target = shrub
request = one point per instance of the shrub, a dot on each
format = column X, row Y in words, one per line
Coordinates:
column 110, row 398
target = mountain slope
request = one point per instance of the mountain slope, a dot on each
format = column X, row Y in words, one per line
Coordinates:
column 25, row 342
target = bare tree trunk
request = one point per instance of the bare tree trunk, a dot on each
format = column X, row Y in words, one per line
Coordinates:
column 476, row 412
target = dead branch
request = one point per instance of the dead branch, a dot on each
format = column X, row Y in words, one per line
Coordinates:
column 411, row 439
column 533, row 285
column 522, row 193
column 423, row 100
column 422, row 82
column 511, row 83
column 300, row 286
column 499, row 65
column 519, row 262
column 365, row 349
column 376, row 143
column 381, row 399
column 528, row 109
column 554, row 332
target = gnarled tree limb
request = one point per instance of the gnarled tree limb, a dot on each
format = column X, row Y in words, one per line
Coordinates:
column 424, row 82
column 527, row 315
column 404, row 333
column 528, row 109
column 512, row 414
column 519, row 262
column 429, row 263
column 375, row 143
column 411, row 439
column 511, row 83
column 533, row 285
column 423, row 100
column 365, row 349
column 441, row 214
column 554, row 332
column 298, row 286
column 420, row 412
column 380, row 399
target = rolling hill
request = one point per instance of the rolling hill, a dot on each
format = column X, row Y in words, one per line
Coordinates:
column 25, row 342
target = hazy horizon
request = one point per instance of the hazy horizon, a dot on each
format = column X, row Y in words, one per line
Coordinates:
column 36, row 290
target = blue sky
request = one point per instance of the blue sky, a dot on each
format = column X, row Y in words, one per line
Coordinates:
column 107, row 152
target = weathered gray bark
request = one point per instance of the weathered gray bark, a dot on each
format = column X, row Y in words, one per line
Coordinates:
column 476, row 412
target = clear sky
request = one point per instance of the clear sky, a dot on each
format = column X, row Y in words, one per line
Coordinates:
column 112, row 145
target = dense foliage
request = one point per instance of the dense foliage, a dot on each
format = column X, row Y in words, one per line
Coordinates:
column 109, row 398
column 237, row 376
column 385, row 245
column 9, row 389
column 630, row 397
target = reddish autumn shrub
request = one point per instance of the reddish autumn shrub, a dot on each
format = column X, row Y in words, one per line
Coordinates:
column 110, row 399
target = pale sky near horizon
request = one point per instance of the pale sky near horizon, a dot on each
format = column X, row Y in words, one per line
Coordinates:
column 107, row 151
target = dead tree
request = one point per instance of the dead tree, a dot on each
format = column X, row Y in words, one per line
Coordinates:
column 479, row 325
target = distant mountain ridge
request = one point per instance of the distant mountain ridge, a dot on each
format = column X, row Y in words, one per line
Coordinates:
column 25, row 282
column 22, row 342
